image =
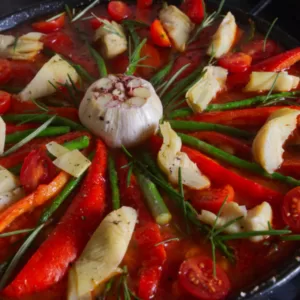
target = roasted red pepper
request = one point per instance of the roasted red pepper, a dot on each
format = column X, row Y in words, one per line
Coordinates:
column 222, row 175
column 51, row 261
column 279, row 62
column 146, row 234
column 18, row 156
column 243, row 118
column 227, row 143
column 11, row 128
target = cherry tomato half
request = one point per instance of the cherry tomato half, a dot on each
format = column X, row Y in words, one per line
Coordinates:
column 5, row 102
column 195, row 9
column 144, row 3
column 37, row 169
column 291, row 209
column 58, row 42
column 257, row 51
column 197, row 278
column 159, row 35
column 212, row 199
column 50, row 26
column 5, row 71
column 118, row 10
column 237, row 62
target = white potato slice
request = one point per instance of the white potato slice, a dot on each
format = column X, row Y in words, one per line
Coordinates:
column 206, row 88
column 170, row 159
column 103, row 254
column 112, row 41
column 267, row 147
column 73, row 162
column 264, row 81
column 56, row 70
column 177, row 24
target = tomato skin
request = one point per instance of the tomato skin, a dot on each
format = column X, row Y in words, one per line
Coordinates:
column 256, row 49
column 5, row 71
column 96, row 23
column 37, row 169
column 144, row 3
column 58, row 42
column 159, row 35
column 237, row 62
column 212, row 199
column 237, row 79
column 195, row 9
column 291, row 209
column 51, row 26
column 5, row 102
column 196, row 277
column 118, row 10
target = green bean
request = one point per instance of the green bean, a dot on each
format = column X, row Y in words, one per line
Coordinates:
column 99, row 60
column 235, row 161
column 201, row 126
column 49, row 131
column 154, row 200
column 40, row 118
column 181, row 113
column 113, row 177
column 162, row 74
column 250, row 102
column 151, row 164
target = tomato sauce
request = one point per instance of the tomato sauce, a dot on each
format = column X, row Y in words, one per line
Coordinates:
column 253, row 261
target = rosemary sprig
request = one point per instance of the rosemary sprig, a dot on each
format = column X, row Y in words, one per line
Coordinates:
column 272, row 88
column 183, row 203
column 69, row 12
column 84, row 11
column 208, row 21
column 16, row 232
column 268, row 33
column 29, row 137
column 99, row 60
column 175, row 239
column 131, row 26
column 135, row 58
column 40, row 105
column 251, row 31
column 55, row 17
column 163, row 73
column 108, row 26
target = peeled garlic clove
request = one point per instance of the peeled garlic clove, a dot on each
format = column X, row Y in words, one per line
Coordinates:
column 170, row 159
column 224, row 38
column 267, row 147
column 122, row 110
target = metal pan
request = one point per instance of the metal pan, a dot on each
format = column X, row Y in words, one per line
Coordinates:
column 291, row 267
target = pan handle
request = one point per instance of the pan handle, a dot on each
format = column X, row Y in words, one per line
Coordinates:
column 259, row 7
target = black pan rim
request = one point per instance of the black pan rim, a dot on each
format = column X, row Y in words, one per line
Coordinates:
column 291, row 267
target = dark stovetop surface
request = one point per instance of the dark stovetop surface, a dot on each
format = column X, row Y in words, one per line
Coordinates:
column 288, row 13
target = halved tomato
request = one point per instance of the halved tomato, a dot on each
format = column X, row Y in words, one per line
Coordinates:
column 237, row 62
column 58, row 42
column 291, row 209
column 118, row 10
column 195, row 9
column 5, row 102
column 37, row 169
column 212, row 199
column 50, row 26
column 197, row 278
column 159, row 35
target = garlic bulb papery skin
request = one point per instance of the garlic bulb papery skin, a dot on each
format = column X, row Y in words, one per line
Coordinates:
column 122, row 110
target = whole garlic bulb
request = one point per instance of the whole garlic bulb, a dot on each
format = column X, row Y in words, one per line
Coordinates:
column 122, row 110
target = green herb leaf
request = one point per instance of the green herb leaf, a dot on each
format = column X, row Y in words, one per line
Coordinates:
column 135, row 58
column 16, row 232
column 84, row 11
column 28, row 138
column 268, row 33
column 55, row 17
column 175, row 239
column 99, row 60
column 163, row 73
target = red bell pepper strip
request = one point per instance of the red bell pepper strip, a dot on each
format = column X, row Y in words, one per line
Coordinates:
column 227, row 143
column 146, row 234
column 249, row 117
column 12, row 128
column 291, row 167
column 222, row 175
column 18, row 156
column 5, row 101
column 51, row 261
column 279, row 62
column 41, row 195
